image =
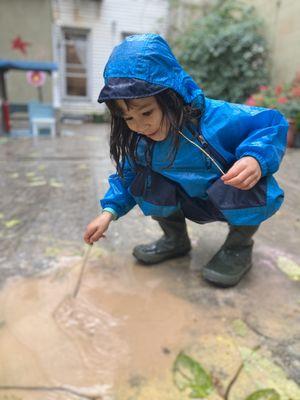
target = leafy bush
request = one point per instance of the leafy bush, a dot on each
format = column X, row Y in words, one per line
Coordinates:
column 225, row 51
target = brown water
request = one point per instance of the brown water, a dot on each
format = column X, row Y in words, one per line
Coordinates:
column 117, row 340
column 123, row 324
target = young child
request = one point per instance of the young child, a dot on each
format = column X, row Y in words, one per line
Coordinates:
column 181, row 155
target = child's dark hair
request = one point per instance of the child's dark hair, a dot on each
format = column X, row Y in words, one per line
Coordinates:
column 123, row 141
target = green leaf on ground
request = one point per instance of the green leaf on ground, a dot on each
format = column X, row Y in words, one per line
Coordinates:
column 14, row 175
column 53, row 251
column 240, row 328
column 55, row 184
column 1, row 215
column 30, row 174
column 35, row 183
column 264, row 372
column 189, row 375
column 12, row 223
column 289, row 267
column 265, row 394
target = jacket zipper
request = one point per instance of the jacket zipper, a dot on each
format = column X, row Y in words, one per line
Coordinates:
column 204, row 151
column 213, row 152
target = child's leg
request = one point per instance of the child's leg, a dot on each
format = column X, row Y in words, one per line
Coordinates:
column 174, row 243
column 234, row 259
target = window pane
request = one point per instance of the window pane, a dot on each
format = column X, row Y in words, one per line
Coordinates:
column 75, row 69
column 75, row 62
column 76, row 86
column 76, row 52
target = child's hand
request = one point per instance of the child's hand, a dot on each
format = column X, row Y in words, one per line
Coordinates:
column 244, row 173
column 95, row 229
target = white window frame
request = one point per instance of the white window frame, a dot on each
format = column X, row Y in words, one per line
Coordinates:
column 87, row 33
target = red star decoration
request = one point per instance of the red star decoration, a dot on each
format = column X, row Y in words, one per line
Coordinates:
column 18, row 44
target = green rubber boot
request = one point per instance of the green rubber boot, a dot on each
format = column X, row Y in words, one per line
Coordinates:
column 233, row 260
column 174, row 243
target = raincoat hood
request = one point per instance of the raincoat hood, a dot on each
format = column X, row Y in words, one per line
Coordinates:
column 143, row 65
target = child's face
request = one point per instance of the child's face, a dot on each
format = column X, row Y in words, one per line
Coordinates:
column 144, row 116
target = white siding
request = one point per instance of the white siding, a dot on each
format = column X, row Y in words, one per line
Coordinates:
column 106, row 20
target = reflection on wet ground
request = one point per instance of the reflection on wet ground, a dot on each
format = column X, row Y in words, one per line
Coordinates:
column 119, row 338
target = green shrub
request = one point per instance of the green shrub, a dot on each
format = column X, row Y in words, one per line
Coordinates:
column 225, row 51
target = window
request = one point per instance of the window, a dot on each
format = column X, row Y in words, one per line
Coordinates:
column 75, row 61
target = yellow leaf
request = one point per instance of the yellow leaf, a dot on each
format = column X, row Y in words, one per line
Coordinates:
column 289, row 267
column 12, row 223
column 30, row 174
column 55, row 183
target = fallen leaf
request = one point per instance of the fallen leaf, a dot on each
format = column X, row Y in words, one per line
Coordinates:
column 53, row 251
column 189, row 375
column 261, row 370
column 55, row 184
column 289, row 267
column 14, row 175
column 37, row 183
column 265, row 394
column 12, row 223
column 30, row 174
column 239, row 327
column 1, row 215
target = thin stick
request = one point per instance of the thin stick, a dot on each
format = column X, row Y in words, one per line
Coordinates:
column 85, row 258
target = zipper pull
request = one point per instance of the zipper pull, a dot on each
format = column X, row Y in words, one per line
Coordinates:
column 202, row 141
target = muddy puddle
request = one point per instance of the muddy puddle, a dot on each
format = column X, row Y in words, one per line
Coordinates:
column 119, row 338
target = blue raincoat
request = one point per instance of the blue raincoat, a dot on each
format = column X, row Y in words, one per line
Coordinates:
column 227, row 132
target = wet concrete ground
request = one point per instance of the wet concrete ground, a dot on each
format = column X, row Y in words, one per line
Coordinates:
column 120, row 337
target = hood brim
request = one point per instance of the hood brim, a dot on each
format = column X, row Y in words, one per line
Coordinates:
column 128, row 88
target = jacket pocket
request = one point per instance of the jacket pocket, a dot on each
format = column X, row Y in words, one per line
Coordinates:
column 247, row 207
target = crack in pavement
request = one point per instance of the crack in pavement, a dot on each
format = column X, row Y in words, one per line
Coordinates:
column 52, row 389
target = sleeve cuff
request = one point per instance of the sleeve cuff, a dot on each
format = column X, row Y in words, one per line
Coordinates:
column 260, row 160
column 112, row 211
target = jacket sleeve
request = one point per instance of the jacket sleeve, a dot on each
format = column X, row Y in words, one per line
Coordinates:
column 117, row 199
column 252, row 131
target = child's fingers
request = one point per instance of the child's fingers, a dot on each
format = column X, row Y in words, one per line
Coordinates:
column 247, row 184
column 234, row 171
column 88, row 233
column 238, row 179
column 96, row 236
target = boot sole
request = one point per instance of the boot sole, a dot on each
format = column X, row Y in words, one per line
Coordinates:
column 160, row 258
column 221, row 280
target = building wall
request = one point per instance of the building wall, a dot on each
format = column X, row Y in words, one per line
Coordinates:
column 106, row 20
column 283, row 33
column 31, row 20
